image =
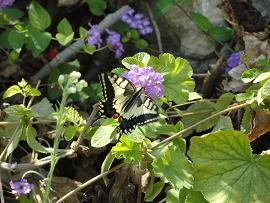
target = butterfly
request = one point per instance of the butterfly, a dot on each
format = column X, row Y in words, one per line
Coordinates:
column 123, row 101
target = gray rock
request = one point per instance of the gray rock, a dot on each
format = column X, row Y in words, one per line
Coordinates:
column 263, row 6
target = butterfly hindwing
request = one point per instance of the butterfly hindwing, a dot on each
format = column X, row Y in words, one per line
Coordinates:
column 122, row 98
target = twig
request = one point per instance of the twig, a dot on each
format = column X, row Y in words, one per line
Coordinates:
column 160, row 49
column 87, row 125
column 89, row 182
column 75, row 48
column 199, row 123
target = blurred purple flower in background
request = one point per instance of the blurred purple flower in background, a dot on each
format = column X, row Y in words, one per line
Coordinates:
column 94, row 36
column 6, row 3
column 137, row 21
column 21, row 187
column 114, row 40
column 147, row 78
column 234, row 60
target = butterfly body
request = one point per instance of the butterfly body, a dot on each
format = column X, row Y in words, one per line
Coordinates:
column 123, row 101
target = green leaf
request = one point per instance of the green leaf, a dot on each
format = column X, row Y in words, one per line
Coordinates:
column 250, row 74
column 64, row 39
column 89, row 49
column 38, row 41
column 34, row 92
column 14, row 89
column 199, row 111
column 247, row 120
column 13, row 56
column 72, row 115
column 23, row 199
column 131, row 151
column 172, row 196
column 241, row 97
column 141, row 44
column 42, row 109
column 173, row 167
column 221, row 34
column 38, row 17
column 106, row 165
column 162, row 7
column 16, row 39
column 224, row 163
column 134, row 34
column 263, row 62
column 224, row 101
column 177, row 73
column 141, row 59
column 97, row 7
column 153, row 193
column 194, row 96
column 104, row 134
column 224, row 123
column 83, row 33
column 18, row 111
column 70, row 132
column 195, row 197
column 64, row 27
column 31, row 134
column 12, row 13
column 15, row 141
column 119, row 71
column 261, row 77
column 201, row 21
column 266, row 88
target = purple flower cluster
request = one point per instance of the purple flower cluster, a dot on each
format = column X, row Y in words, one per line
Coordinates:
column 137, row 21
column 147, row 78
column 114, row 40
column 6, row 3
column 94, row 36
column 234, row 60
column 21, row 187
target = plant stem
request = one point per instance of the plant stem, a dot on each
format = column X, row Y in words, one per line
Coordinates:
column 199, row 123
column 59, row 126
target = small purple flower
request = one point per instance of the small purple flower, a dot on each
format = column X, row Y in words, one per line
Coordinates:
column 137, row 21
column 147, row 78
column 94, row 36
column 21, row 187
column 114, row 40
column 234, row 60
column 6, row 3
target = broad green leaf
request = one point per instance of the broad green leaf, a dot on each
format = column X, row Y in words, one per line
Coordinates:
column 23, row 199
column 155, row 190
column 162, row 7
column 15, row 141
column 199, row 111
column 13, row 56
column 39, row 18
column 177, row 76
column 261, row 77
column 137, row 135
column 89, row 49
column 34, row 92
column 201, row 21
column 119, row 71
column 172, row 196
column 141, row 59
column 226, row 171
column 38, row 41
column 18, row 111
column 134, row 34
column 70, row 132
column 16, row 39
column 64, row 39
column 43, row 109
column 250, row 74
column 12, row 13
column 266, row 88
column 263, row 62
column 131, row 151
column 221, row 34
column 105, row 133
column 224, row 123
column 31, row 134
column 64, row 27
column 83, row 33
column 224, row 101
column 241, row 97
column 247, row 119
column 97, row 7
column 194, row 96
column 173, row 167
column 106, row 165
column 141, row 44
column 195, row 197
column 3, row 39
column 14, row 89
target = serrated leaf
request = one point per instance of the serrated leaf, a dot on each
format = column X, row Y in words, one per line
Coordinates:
column 155, row 190
column 261, row 77
column 224, row 163
column 104, row 134
column 201, row 21
column 141, row 59
column 31, row 134
column 250, row 74
column 119, row 71
column 174, row 168
column 72, row 115
column 43, row 109
column 224, row 123
column 97, row 7
column 221, row 34
column 162, row 7
column 241, row 97
column 131, row 151
column 14, row 89
column 38, row 16
column 70, row 132
column 17, row 111
column 34, row 92
column 15, row 141
column 266, row 88
column 16, row 39
column 199, row 111
column 177, row 73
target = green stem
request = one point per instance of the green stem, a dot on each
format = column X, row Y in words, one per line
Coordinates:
column 59, row 127
column 199, row 123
